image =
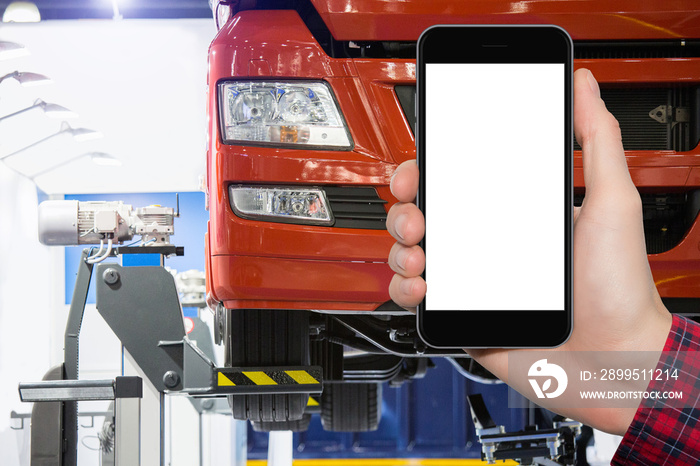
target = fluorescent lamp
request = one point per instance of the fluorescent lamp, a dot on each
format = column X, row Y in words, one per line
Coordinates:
column 58, row 111
column 79, row 135
column 84, row 134
column 12, row 50
column 27, row 78
column 51, row 110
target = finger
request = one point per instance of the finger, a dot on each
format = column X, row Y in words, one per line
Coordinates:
column 598, row 132
column 404, row 181
column 407, row 292
column 406, row 223
column 407, row 261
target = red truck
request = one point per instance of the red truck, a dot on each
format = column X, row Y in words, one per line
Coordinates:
column 312, row 106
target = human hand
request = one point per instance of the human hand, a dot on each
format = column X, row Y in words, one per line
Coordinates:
column 616, row 304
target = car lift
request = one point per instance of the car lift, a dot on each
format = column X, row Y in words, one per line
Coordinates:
column 141, row 306
column 547, row 447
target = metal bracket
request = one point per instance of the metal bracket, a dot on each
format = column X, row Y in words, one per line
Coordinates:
column 140, row 304
column 669, row 114
column 219, row 323
column 90, row 414
column 481, row 417
column 21, row 417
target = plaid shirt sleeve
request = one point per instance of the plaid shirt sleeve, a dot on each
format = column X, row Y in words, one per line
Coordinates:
column 663, row 435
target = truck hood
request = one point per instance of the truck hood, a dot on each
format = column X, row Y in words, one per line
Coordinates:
column 404, row 20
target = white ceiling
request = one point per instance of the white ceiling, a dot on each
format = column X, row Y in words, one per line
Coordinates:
column 142, row 83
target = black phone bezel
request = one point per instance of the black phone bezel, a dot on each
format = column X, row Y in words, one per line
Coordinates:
column 498, row 44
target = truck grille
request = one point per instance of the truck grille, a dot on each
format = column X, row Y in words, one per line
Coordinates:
column 601, row 50
column 583, row 50
column 640, row 131
column 667, row 218
column 356, row 207
column 632, row 108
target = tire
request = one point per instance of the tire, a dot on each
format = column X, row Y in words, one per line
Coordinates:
column 300, row 425
column 351, row 407
column 267, row 338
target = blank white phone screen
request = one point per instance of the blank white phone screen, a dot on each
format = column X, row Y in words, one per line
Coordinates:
column 495, row 181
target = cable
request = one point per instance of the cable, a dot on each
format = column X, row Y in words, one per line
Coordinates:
column 140, row 241
column 97, row 260
column 96, row 437
column 106, row 254
column 473, row 377
column 96, row 255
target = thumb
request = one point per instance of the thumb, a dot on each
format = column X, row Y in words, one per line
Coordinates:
column 598, row 132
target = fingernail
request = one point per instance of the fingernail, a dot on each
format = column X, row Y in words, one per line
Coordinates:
column 593, row 83
column 391, row 181
column 406, row 286
column 402, row 257
column 400, row 224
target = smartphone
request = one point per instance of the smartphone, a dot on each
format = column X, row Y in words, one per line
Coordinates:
column 494, row 147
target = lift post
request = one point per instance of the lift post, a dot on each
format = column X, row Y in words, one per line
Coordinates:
column 141, row 306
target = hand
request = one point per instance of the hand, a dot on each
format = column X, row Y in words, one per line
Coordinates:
column 616, row 304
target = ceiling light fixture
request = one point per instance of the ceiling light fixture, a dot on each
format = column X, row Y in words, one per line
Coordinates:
column 27, row 79
column 106, row 160
column 79, row 135
column 12, row 50
column 21, row 12
column 51, row 110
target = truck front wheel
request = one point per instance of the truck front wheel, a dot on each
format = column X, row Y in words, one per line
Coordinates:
column 255, row 338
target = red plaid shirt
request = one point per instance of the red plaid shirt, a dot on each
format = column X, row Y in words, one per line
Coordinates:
column 661, row 435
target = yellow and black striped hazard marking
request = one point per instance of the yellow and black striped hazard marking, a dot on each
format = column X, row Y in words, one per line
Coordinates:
column 237, row 377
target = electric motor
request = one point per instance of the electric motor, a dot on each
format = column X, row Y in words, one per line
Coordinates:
column 69, row 223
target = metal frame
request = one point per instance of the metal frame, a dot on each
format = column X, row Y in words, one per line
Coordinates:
column 71, row 358
column 548, row 447
column 385, row 337
column 126, row 393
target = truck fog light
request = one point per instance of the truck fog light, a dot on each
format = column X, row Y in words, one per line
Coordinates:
column 281, row 204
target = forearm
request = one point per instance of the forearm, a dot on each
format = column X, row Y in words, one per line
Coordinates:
column 661, row 432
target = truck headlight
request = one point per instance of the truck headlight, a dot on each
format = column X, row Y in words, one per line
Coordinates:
column 281, row 204
column 295, row 113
